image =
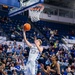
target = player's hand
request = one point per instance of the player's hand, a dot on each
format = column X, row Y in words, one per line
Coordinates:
column 42, row 66
column 36, row 42
column 23, row 30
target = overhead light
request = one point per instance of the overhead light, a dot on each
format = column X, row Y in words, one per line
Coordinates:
column 5, row 6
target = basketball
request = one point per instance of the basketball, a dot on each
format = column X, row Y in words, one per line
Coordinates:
column 27, row 26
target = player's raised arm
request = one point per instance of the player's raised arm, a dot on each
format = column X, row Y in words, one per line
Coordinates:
column 38, row 42
column 25, row 39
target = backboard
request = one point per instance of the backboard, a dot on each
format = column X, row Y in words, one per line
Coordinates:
column 24, row 5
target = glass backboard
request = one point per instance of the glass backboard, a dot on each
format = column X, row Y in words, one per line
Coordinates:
column 24, row 5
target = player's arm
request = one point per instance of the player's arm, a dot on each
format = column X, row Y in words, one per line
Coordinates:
column 39, row 48
column 58, row 68
column 51, row 70
column 25, row 39
column 47, row 71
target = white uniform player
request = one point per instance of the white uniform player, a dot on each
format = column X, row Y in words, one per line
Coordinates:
column 34, row 54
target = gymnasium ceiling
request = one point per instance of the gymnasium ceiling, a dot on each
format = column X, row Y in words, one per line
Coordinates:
column 62, row 3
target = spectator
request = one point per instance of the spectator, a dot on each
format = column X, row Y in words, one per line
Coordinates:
column 73, row 67
column 2, row 67
column 12, row 67
column 9, row 50
column 13, row 36
column 22, row 66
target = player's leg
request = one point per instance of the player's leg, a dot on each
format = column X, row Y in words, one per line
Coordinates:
column 28, row 69
column 32, row 67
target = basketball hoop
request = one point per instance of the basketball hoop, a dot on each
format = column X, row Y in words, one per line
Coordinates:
column 34, row 13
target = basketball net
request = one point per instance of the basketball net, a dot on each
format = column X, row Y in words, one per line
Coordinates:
column 34, row 13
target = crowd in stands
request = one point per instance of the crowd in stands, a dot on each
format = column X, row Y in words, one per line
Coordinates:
column 13, row 58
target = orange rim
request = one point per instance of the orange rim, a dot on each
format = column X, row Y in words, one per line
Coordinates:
column 37, row 8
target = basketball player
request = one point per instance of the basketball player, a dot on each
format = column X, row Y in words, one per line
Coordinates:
column 54, row 68
column 34, row 54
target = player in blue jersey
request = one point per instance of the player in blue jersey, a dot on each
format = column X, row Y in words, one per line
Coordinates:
column 34, row 54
